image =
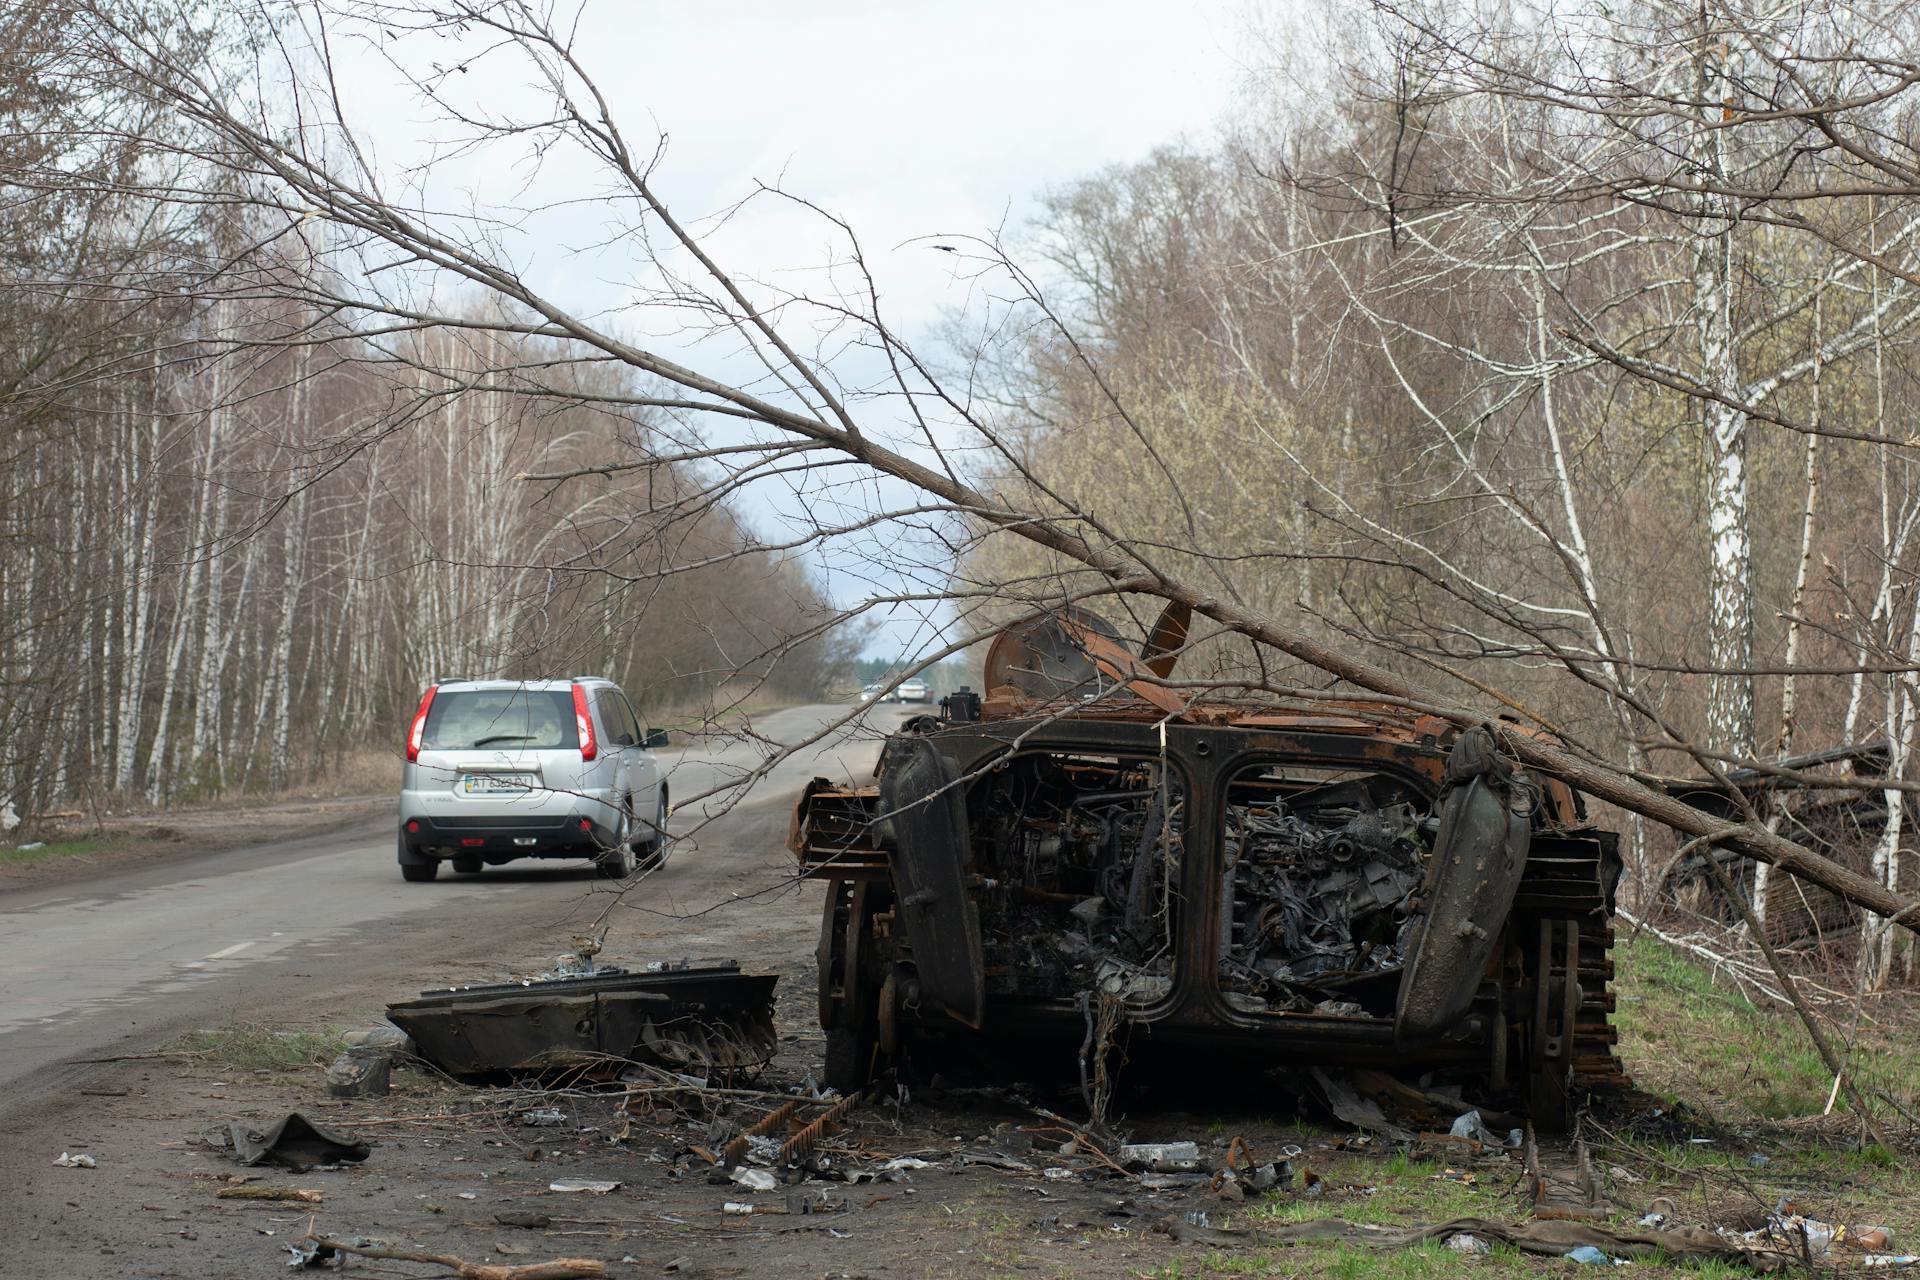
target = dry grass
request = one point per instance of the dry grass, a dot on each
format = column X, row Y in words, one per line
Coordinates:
column 250, row 1047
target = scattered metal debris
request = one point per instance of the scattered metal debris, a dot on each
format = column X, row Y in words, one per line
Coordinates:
column 590, row 1186
column 1551, row 1238
column 1800, row 1239
column 754, row 1179
column 1363, row 1114
column 1161, row 1157
column 312, row 1253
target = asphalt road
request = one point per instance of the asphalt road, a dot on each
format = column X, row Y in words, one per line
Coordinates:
column 324, row 928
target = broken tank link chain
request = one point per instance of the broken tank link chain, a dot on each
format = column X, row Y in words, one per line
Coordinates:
column 800, row 1146
column 765, row 1127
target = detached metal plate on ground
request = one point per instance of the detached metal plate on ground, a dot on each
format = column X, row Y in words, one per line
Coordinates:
column 703, row 1018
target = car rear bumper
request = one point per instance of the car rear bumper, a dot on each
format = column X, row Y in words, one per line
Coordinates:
column 494, row 838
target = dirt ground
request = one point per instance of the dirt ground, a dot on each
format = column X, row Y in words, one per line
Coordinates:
column 447, row 1159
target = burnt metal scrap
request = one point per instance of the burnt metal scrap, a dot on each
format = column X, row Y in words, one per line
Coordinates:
column 1816, row 799
column 1339, row 882
column 706, row 1019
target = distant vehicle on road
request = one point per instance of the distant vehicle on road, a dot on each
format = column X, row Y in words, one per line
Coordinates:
column 876, row 693
column 913, row 691
column 504, row 769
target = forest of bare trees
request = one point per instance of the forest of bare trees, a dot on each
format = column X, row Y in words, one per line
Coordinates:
column 238, row 537
column 1546, row 361
column 1573, row 345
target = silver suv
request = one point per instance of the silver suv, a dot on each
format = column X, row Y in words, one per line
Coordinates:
column 505, row 769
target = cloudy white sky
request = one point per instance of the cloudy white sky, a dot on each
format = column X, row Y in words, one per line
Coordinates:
column 906, row 120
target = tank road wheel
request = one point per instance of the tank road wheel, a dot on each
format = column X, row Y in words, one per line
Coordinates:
column 849, row 988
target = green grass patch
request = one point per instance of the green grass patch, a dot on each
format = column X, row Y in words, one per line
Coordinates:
column 1690, row 1036
column 253, row 1048
column 1396, row 1190
column 1429, row 1261
column 13, row 855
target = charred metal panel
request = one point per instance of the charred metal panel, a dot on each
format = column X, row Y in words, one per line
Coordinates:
column 836, row 834
column 920, row 796
column 1479, row 856
column 710, row 1018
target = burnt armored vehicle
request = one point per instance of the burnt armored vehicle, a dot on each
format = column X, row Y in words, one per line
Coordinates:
column 1331, row 883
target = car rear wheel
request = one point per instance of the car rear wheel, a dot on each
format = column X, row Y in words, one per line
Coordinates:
column 414, row 866
column 654, row 851
column 619, row 862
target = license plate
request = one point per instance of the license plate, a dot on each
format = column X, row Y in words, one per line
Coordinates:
column 493, row 784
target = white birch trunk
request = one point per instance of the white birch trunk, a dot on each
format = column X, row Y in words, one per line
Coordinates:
column 1730, row 699
column 293, row 582
column 215, row 633
column 138, row 619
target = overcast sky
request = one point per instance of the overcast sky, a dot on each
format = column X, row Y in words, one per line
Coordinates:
column 905, row 120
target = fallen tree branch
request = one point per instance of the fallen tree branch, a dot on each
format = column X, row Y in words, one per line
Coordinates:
column 558, row 1269
column 302, row 1194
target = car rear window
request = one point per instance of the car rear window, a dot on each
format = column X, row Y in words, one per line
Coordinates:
column 508, row 719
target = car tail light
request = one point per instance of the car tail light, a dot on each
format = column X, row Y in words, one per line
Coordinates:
column 419, row 725
column 586, row 824
column 588, row 747
column 473, row 842
column 413, row 828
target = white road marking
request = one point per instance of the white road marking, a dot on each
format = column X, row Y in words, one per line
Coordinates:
column 235, row 949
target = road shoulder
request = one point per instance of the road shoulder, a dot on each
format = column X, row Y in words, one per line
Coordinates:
column 127, row 843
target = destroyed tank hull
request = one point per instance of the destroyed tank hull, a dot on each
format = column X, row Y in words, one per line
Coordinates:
column 957, row 916
column 1036, row 882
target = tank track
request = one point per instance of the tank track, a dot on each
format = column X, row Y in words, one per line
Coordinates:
column 1563, row 921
